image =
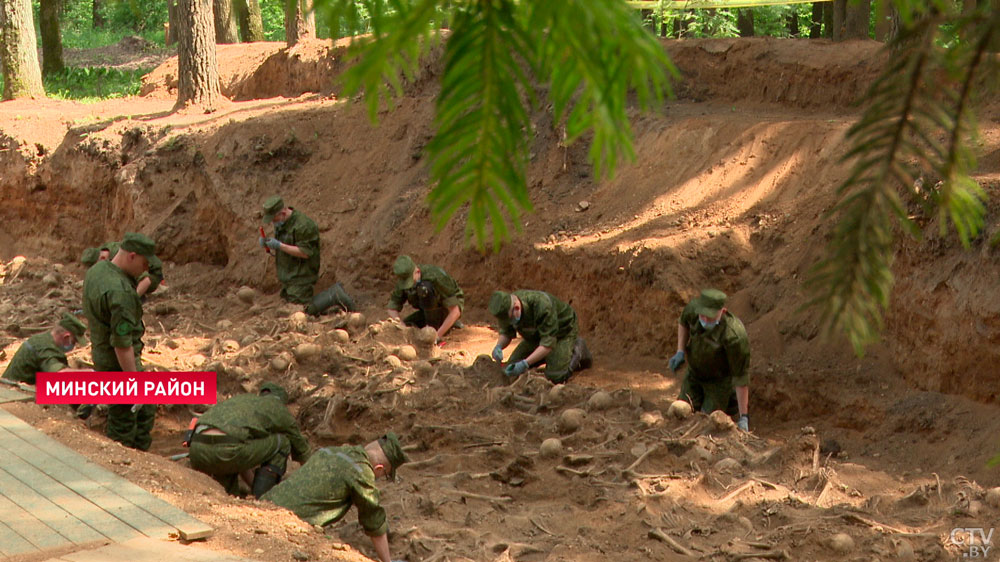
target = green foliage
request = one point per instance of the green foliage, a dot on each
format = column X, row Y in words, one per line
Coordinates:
column 503, row 58
column 272, row 15
column 93, row 84
column 918, row 122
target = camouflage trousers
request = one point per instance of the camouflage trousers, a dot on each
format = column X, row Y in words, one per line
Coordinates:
column 132, row 429
column 223, row 458
column 299, row 293
column 568, row 355
column 709, row 395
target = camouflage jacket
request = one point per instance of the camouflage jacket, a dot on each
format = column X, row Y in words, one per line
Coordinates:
column 324, row 489
column 299, row 230
column 448, row 292
column 543, row 318
column 37, row 353
column 114, row 314
column 250, row 416
column 720, row 352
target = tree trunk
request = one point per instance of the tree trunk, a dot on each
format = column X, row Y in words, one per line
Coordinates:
column 828, row 20
column 18, row 55
column 816, row 27
column 744, row 22
column 249, row 18
column 887, row 26
column 96, row 13
column 226, row 31
column 850, row 19
column 300, row 21
column 170, row 37
column 793, row 23
column 48, row 23
column 198, row 72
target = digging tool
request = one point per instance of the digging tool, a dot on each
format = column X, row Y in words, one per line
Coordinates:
column 189, row 433
column 179, row 456
column 266, row 249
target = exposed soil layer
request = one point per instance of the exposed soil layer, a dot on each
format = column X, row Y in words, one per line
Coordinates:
column 730, row 188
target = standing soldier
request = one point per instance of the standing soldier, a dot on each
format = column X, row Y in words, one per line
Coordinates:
column 436, row 296
column 114, row 313
column 323, row 490
column 248, row 432
column 46, row 352
column 715, row 345
column 296, row 248
column 548, row 327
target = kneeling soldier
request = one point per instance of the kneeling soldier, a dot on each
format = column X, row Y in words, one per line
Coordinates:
column 323, row 490
column 46, row 352
column 548, row 327
column 251, row 436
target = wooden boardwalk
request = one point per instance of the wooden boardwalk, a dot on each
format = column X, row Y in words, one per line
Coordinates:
column 146, row 549
column 52, row 497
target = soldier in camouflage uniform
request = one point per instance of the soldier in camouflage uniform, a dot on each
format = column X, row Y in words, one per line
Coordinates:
column 715, row 345
column 436, row 296
column 548, row 328
column 246, row 433
column 46, row 352
column 145, row 284
column 296, row 249
column 323, row 490
column 114, row 313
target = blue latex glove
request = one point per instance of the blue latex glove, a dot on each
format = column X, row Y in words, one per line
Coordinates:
column 744, row 422
column 515, row 369
column 272, row 243
column 676, row 361
column 497, row 354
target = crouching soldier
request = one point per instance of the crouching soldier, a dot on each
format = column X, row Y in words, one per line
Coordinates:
column 248, row 436
column 46, row 352
column 323, row 490
column 548, row 328
column 428, row 288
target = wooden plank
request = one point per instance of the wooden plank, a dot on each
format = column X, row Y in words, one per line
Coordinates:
column 148, row 550
column 168, row 514
column 13, row 543
column 9, row 394
column 104, row 497
column 40, row 535
column 83, row 509
column 134, row 494
column 30, row 499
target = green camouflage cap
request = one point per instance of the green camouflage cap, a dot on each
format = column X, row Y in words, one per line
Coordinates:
column 710, row 302
column 393, row 452
column 272, row 205
column 73, row 325
column 275, row 389
column 111, row 247
column 140, row 244
column 500, row 304
column 90, row 256
column 403, row 269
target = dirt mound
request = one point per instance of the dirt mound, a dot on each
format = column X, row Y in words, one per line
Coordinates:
column 803, row 73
